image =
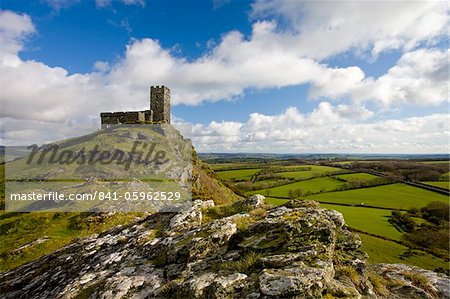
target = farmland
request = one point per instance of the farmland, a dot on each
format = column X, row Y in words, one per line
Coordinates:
column 393, row 196
column 315, row 185
column 366, row 200
column 240, row 174
column 356, row 176
column 374, row 221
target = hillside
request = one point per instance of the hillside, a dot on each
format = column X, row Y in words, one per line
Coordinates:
column 27, row 236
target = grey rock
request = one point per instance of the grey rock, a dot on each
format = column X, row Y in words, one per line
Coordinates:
column 255, row 201
column 290, row 252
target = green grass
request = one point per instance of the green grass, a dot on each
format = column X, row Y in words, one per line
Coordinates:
column 435, row 162
column 275, row 201
column 241, row 174
column 357, row 176
column 394, row 196
column 222, row 165
column 369, row 220
column 384, row 251
column 441, row 184
column 298, row 175
column 374, row 221
column 314, row 185
column 18, row 229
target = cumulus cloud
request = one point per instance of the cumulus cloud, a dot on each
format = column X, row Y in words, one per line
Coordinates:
column 420, row 77
column 35, row 95
column 321, row 29
column 323, row 130
column 14, row 28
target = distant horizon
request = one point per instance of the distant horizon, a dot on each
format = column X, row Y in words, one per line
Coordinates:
column 447, row 155
column 325, row 154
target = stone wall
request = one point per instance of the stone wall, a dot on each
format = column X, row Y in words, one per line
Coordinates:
column 159, row 111
column 129, row 117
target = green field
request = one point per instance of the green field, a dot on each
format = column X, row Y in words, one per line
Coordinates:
column 223, row 165
column 321, row 184
column 384, row 251
column 357, row 176
column 435, row 162
column 298, row 175
column 393, row 196
column 441, row 184
column 374, row 221
column 318, row 168
column 371, row 220
column 379, row 250
column 241, row 174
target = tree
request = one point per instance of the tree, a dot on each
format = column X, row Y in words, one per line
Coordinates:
column 436, row 212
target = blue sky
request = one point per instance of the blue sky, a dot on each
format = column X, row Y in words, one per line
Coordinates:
column 248, row 76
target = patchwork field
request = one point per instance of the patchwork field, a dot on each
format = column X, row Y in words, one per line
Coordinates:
column 366, row 209
column 322, row 184
column 393, row 196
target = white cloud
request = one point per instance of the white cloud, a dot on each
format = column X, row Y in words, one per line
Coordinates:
column 14, row 28
column 105, row 3
column 324, row 130
column 420, row 77
column 219, row 3
column 59, row 4
column 320, row 29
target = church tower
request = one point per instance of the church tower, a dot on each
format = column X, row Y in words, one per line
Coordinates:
column 160, row 104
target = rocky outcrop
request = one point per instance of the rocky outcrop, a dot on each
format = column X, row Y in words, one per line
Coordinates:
column 412, row 282
column 298, row 250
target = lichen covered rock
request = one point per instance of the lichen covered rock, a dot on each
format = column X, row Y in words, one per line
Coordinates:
column 298, row 250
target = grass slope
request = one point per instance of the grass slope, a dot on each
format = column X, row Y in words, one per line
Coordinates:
column 383, row 251
column 374, row 221
column 18, row 229
column 394, row 196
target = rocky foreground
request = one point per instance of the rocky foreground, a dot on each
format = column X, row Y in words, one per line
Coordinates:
column 246, row 250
